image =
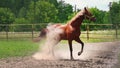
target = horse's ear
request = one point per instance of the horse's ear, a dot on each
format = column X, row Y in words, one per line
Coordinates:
column 85, row 8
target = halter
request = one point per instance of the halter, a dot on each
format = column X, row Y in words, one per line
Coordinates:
column 86, row 16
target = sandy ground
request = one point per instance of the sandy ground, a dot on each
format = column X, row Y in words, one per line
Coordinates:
column 95, row 55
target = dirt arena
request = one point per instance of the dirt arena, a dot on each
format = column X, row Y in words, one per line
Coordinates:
column 95, row 55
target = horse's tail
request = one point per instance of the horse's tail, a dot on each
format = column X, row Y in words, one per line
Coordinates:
column 41, row 36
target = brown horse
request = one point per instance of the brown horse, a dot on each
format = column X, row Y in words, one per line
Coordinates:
column 71, row 30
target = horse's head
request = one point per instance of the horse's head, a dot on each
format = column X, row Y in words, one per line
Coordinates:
column 88, row 15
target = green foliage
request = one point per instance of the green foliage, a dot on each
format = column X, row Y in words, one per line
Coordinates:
column 101, row 16
column 6, row 17
column 54, row 2
column 21, row 27
column 115, row 12
column 64, row 10
column 15, row 5
column 42, row 12
column 21, row 21
column 38, row 11
column 71, row 16
column 22, row 13
column 45, row 11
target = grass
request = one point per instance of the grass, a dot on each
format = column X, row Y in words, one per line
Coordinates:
column 17, row 48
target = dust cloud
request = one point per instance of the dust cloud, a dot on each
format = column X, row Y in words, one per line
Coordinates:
column 46, row 50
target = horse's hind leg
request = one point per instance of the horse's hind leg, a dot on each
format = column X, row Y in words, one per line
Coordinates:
column 70, row 46
column 79, row 41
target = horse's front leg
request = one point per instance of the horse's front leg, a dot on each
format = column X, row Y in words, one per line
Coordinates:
column 70, row 46
column 79, row 41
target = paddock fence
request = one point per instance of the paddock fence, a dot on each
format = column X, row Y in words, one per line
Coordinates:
column 31, row 31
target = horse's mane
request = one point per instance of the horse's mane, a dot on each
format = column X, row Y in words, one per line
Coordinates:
column 80, row 13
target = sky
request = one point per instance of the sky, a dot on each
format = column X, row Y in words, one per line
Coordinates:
column 100, row 4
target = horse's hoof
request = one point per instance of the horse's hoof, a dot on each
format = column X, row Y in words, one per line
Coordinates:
column 72, row 58
column 79, row 53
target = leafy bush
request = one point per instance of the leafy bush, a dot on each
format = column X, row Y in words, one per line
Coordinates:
column 6, row 17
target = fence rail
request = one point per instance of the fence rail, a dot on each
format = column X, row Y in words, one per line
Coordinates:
column 30, row 31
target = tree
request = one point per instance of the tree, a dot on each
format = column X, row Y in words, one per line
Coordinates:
column 15, row 5
column 64, row 10
column 54, row 2
column 115, row 12
column 43, row 12
column 6, row 17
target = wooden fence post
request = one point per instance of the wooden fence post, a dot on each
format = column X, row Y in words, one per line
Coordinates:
column 116, row 31
column 7, row 32
column 87, row 31
column 32, row 31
